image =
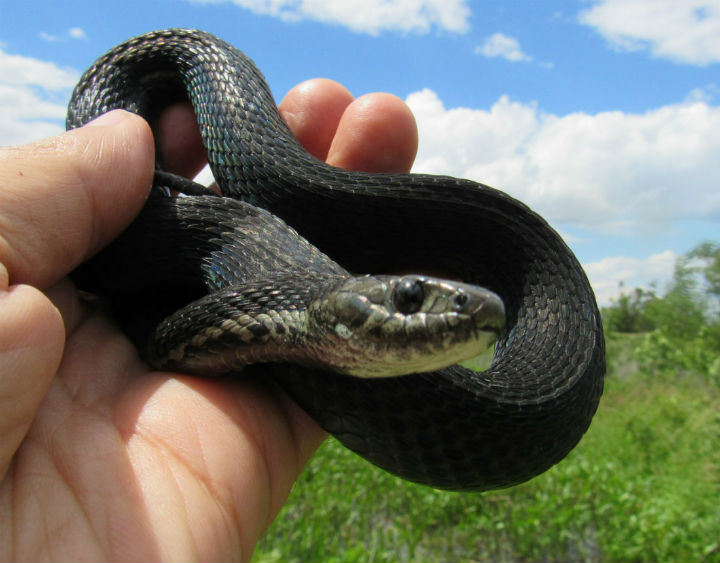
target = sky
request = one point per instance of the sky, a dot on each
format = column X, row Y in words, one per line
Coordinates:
column 602, row 115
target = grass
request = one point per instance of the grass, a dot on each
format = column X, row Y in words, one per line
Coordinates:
column 642, row 486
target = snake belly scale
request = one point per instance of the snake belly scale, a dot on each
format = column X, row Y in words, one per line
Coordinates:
column 451, row 428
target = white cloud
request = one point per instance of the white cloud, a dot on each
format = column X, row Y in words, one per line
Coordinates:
column 72, row 33
column 611, row 276
column 686, row 31
column 33, row 98
column 19, row 70
column 501, row 45
column 367, row 16
column 608, row 171
column 705, row 94
column 48, row 37
column 77, row 33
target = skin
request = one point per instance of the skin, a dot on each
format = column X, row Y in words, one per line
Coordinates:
column 101, row 457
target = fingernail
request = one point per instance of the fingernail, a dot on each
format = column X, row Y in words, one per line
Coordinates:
column 108, row 119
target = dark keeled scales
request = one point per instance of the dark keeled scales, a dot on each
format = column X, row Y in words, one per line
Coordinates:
column 455, row 428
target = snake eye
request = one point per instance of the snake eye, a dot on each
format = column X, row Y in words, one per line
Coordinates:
column 408, row 296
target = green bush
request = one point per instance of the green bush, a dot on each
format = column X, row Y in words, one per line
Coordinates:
column 681, row 329
column 642, row 486
column 659, row 354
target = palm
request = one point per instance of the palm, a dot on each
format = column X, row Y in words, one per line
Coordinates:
column 122, row 463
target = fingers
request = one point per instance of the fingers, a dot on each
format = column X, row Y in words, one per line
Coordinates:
column 63, row 198
column 31, row 345
column 374, row 133
column 377, row 133
column 178, row 137
column 313, row 110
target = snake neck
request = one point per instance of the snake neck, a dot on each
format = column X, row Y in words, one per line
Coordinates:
column 264, row 321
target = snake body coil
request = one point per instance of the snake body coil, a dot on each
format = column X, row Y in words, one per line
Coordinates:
column 453, row 428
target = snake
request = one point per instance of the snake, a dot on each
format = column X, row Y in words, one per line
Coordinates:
column 224, row 284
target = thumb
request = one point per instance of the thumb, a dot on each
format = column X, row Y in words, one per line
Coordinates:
column 63, row 198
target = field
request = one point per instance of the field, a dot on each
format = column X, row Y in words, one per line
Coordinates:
column 643, row 485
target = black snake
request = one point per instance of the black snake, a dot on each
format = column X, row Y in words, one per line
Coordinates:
column 451, row 428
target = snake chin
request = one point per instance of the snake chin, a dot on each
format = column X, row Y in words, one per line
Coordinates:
column 400, row 364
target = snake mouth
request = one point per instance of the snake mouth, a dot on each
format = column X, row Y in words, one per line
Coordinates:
column 490, row 314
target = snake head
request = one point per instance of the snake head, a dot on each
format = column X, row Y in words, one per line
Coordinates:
column 382, row 326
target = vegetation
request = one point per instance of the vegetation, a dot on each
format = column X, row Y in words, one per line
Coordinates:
column 643, row 485
column 681, row 329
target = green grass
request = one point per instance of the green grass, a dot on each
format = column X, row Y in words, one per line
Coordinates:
column 643, row 485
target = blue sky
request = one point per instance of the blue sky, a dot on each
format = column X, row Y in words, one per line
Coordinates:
column 602, row 115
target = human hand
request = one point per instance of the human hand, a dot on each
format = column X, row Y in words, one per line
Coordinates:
column 101, row 457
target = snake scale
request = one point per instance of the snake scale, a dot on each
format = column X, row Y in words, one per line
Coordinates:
column 451, row 428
